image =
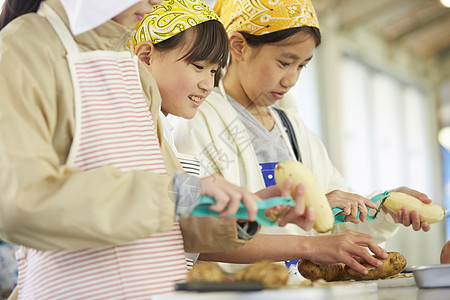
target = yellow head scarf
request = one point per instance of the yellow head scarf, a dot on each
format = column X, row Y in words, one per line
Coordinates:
column 260, row 17
column 170, row 18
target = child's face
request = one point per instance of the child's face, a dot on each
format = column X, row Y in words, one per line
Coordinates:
column 135, row 13
column 270, row 71
column 183, row 86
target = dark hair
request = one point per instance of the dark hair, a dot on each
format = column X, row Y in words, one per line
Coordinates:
column 15, row 8
column 210, row 44
column 278, row 36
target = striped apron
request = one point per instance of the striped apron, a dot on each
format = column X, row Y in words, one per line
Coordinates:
column 113, row 127
column 192, row 166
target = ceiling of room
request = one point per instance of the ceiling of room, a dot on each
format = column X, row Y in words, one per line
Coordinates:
column 423, row 26
column 420, row 26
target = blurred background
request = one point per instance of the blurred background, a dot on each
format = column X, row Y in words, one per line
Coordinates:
column 378, row 94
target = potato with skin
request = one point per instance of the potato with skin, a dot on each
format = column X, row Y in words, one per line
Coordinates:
column 431, row 213
column 445, row 253
column 314, row 196
column 270, row 274
column 392, row 265
column 205, row 272
column 312, row 271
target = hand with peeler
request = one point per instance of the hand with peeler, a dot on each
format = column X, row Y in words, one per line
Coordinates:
column 278, row 208
column 402, row 215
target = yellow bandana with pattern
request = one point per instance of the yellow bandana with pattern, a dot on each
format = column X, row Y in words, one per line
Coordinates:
column 260, row 17
column 170, row 18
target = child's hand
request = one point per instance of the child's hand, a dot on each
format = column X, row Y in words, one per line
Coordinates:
column 345, row 247
column 302, row 216
column 350, row 204
column 403, row 216
column 228, row 196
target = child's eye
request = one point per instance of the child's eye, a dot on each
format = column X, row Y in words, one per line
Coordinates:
column 198, row 66
column 302, row 67
column 284, row 64
column 214, row 71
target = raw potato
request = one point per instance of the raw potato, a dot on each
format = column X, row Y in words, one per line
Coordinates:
column 445, row 253
column 312, row 271
column 392, row 265
column 270, row 274
column 431, row 213
column 204, row 272
column 315, row 198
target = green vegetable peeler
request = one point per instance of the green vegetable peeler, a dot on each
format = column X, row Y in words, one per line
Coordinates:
column 375, row 199
column 202, row 209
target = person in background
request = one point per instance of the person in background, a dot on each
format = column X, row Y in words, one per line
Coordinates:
column 98, row 190
column 239, row 133
column 184, row 56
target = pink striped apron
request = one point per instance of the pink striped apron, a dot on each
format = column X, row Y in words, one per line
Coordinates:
column 113, row 127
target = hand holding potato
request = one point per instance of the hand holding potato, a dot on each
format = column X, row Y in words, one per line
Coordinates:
column 300, row 215
column 314, row 197
column 393, row 264
column 345, row 247
column 410, row 207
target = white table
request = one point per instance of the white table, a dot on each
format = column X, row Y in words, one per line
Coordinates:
column 393, row 289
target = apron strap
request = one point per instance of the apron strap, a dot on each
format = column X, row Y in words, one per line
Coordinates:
column 58, row 25
column 290, row 133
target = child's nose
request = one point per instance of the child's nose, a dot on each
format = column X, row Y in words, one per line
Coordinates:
column 290, row 79
column 207, row 84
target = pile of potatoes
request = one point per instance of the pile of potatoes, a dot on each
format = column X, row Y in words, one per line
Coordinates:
column 274, row 275
column 271, row 275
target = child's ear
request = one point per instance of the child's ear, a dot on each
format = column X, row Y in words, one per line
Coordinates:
column 144, row 51
column 238, row 45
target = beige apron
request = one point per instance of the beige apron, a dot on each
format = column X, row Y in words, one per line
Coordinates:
column 113, row 127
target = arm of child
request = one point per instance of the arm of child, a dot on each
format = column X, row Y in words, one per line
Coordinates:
column 343, row 247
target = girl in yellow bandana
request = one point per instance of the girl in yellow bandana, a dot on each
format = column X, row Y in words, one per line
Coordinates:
column 184, row 45
column 271, row 41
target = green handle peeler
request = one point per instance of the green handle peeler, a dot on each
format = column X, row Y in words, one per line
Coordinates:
column 202, row 209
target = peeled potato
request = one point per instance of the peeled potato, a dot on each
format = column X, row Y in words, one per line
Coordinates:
column 315, row 198
column 431, row 213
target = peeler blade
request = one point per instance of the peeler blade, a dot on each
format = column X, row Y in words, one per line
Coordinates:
column 379, row 207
